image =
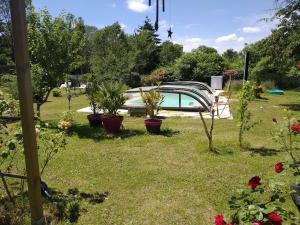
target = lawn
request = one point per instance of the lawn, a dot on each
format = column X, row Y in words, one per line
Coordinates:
column 164, row 179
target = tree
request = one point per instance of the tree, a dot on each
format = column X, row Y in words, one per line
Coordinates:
column 109, row 57
column 143, row 55
column 206, row 49
column 148, row 26
column 199, row 65
column 288, row 13
column 169, row 53
column 6, row 44
column 54, row 45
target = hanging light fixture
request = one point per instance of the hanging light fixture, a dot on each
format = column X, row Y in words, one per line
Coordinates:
column 157, row 11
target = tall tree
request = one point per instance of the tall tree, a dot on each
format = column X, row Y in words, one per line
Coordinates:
column 143, row 55
column 148, row 26
column 169, row 53
column 109, row 57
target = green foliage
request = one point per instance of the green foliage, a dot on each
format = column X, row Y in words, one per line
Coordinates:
column 111, row 97
column 256, row 205
column 64, row 35
column 9, row 105
column 144, row 53
column 132, row 79
column 73, row 211
column 92, row 89
column 109, row 52
column 161, row 74
column 57, row 92
column 199, row 65
column 169, row 53
column 246, row 95
column 50, row 144
column 152, row 100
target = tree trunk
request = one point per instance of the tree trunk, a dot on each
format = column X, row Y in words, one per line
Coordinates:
column 38, row 110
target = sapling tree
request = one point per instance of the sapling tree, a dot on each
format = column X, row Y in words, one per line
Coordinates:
column 246, row 95
column 209, row 130
column 54, row 45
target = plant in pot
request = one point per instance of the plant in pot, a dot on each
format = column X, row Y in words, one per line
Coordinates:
column 110, row 99
column 152, row 100
column 92, row 89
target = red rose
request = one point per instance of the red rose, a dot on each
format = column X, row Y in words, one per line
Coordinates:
column 254, row 182
column 274, row 120
column 274, row 218
column 296, row 128
column 298, row 66
column 278, row 167
column 258, row 223
column 219, row 220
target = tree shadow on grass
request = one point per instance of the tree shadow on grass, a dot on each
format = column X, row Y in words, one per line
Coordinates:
column 292, row 106
column 263, row 151
column 58, row 206
column 98, row 133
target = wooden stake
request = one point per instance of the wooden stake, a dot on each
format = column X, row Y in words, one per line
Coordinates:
column 19, row 31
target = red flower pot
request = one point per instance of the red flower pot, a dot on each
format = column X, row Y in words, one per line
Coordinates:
column 95, row 120
column 112, row 124
column 153, row 125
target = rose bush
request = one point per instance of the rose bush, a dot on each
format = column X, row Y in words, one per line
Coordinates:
column 264, row 203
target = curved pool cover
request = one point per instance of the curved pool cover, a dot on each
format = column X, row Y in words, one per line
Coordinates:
column 179, row 96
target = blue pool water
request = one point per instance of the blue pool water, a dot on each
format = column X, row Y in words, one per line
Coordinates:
column 170, row 100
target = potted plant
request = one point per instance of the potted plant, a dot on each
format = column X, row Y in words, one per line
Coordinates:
column 152, row 100
column 110, row 99
column 92, row 89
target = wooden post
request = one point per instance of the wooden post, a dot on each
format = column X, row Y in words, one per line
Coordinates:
column 246, row 69
column 19, row 29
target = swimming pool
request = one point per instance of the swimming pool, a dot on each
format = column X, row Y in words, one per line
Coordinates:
column 176, row 97
column 171, row 100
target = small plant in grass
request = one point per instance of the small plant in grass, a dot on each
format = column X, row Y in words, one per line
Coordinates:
column 66, row 121
column 49, row 145
column 246, row 95
column 56, row 92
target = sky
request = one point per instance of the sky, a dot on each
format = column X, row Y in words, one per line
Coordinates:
column 221, row 24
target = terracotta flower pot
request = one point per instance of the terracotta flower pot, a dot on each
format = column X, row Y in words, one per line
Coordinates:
column 112, row 124
column 95, row 120
column 153, row 125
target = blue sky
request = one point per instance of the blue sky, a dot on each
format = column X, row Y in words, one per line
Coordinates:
column 221, row 24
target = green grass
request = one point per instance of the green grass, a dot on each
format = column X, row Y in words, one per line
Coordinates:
column 163, row 179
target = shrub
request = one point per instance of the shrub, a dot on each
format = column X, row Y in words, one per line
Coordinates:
column 162, row 74
column 56, row 92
